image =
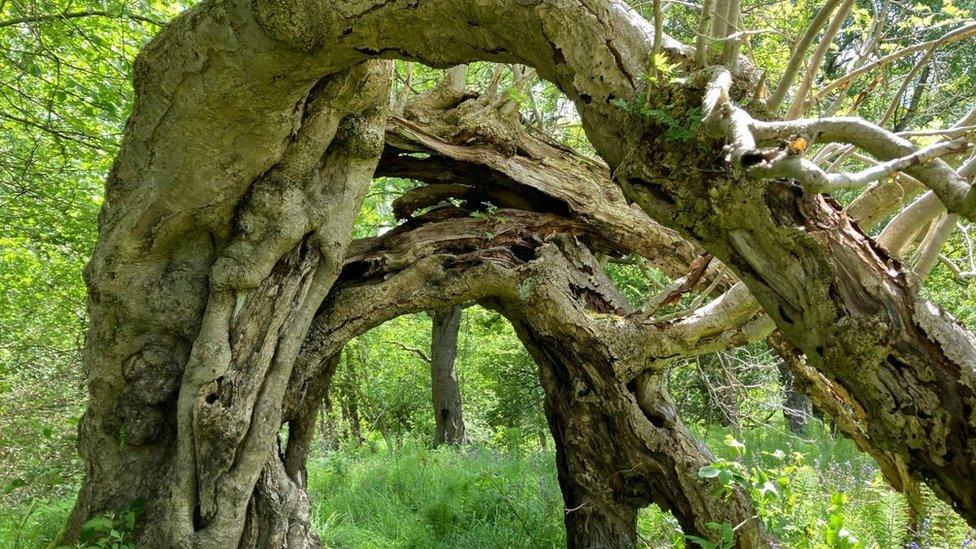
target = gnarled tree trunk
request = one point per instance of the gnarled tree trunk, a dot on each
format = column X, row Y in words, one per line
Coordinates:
column 620, row 445
column 230, row 205
column 210, row 265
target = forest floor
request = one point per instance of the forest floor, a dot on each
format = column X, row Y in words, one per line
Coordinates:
column 404, row 494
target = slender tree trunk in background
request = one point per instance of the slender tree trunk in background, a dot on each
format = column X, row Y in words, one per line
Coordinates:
column 327, row 427
column 721, row 388
column 444, row 385
column 796, row 405
column 349, row 399
column 912, row 111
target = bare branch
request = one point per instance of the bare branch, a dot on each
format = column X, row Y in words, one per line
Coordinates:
column 948, row 132
column 954, row 191
column 928, row 253
column 813, row 65
column 799, row 53
column 816, row 180
column 903, row 228
column 958, row 274
column 671, row 293
column 423, row 356
column 962, row 33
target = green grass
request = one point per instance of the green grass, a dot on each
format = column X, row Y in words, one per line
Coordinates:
column 407, row 496
column 413, row 496
column 417, row 497
column 33, row 524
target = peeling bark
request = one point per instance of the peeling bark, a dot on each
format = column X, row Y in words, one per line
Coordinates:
column 541, row 176
column 620, row 445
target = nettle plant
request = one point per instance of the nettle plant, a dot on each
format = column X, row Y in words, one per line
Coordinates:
column 776, row 502
column 112, row 530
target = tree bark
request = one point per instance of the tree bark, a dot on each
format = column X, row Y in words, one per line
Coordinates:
column 210, row 265
column 224, row 226
column 849, row 418
column 444, row 385
column 621, row 445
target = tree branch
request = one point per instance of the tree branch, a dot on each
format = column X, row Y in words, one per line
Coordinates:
column 799, row 53
column 962, row 33
column 46, row 18
column 423, row 356
column 816, row 180
column 954, row 191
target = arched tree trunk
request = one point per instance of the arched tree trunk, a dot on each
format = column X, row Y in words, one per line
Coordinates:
column 620, row 446
column 224, row 225
column 444, row 385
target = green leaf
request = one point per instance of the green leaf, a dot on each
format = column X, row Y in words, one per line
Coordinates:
column 731, row 442
column 96, row 526
column 13, row 485
column 709, row 471
column 768, row 488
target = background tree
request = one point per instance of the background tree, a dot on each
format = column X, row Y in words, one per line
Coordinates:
column 445, row 388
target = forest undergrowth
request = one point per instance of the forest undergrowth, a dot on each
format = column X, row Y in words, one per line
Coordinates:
column 402, row 493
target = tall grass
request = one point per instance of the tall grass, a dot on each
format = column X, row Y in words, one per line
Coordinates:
column 408, row 495
column 33, row 524
column 412, row 496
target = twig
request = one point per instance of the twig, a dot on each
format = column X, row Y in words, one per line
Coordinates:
column 45, row 18
column 423, row 356
column 961, row 33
